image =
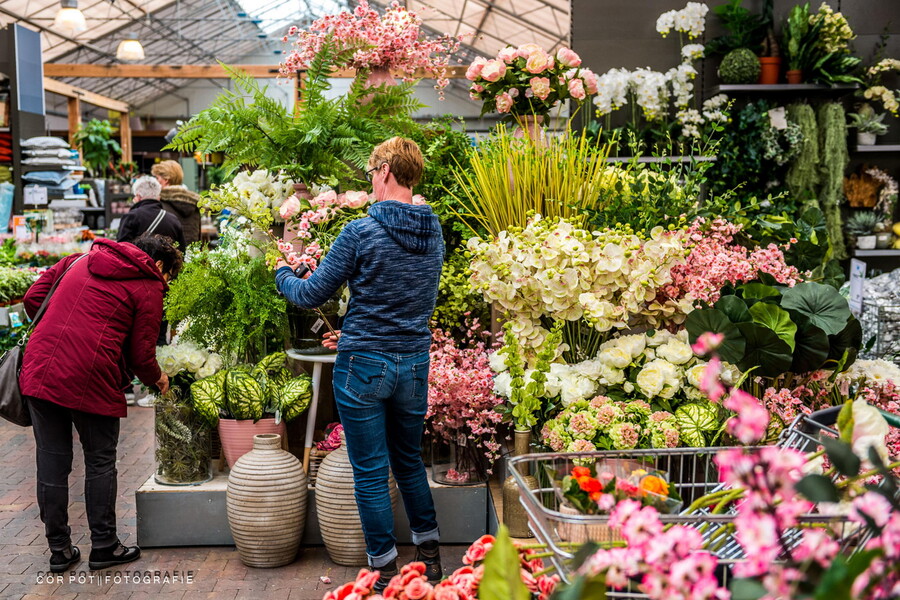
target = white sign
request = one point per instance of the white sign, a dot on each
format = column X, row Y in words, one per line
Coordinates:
column 857, row 285
column 35, row 195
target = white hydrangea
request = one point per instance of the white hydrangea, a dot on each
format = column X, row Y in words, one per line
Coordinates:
column 497, row 362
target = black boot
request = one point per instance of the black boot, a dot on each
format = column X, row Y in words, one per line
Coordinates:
column 386, row 573
column 104, row 558
column 60, row 560
column 430, row 553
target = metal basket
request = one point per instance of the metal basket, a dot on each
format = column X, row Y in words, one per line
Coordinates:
column 882, row 322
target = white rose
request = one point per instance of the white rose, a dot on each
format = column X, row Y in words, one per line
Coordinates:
column 616, row 357
column 658, row 378
column 695, row 374
column 497, row 362
column 195, row 359
column 214, row 362
column 501, row 384
column 170, row 365
column 611, row 376
column 676, row 352
column 869, row 431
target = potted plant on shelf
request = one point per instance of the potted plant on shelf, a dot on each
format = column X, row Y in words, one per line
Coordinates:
column 875, row 90
column 862, row 226
column 749, row 31
column 739, row 67
column 246, row 400
column 868, row 125
column 98, row 149
column 799, row 42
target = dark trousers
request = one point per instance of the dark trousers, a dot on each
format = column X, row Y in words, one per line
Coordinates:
column 53, row 437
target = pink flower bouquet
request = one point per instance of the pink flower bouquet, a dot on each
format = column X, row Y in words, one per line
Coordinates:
column 394, row 41
column 529, row 81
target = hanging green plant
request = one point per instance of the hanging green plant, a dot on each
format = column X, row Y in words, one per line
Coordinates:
column 834, row 155
column 802, row 178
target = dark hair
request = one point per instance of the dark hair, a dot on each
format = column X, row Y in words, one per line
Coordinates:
column 162, row 248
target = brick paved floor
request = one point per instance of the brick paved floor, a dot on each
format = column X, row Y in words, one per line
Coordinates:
column 217, row 572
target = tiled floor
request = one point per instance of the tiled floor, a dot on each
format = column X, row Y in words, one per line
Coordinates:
column 214, row 572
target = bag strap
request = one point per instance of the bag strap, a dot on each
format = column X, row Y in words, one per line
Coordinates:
column 159, row 217
column 44, row 304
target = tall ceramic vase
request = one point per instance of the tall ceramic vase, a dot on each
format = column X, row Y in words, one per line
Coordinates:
column 530, row 127
column 339, row 519
column 514, row 515
column 266, row 503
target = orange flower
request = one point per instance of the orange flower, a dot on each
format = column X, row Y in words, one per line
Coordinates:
column 595, row 496
column 579, row 472
column 655, row 485
column 590, row 485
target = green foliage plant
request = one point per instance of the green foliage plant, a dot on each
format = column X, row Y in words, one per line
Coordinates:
column 744, row 28
column 834, row 159
column 457, row 301
column 525, row 405
column 862, row 223
column 817, row 45
column 867, row 121
column 803, row 176
column 226, row 300
column 182, row 440
column 739, row 66
column 326, row 140
column 775, row 330
column 14, row 283
column 800, row 39
column 508, row 178
column 98, row 149
column 249, row 392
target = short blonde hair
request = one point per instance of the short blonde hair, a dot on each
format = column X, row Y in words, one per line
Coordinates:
column 403, row 156
column 169, row 170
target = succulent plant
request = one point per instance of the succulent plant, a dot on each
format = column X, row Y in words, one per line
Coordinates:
column 862, row 223
column 739, row 66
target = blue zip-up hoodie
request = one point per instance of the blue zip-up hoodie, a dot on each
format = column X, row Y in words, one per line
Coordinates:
column 392, row 261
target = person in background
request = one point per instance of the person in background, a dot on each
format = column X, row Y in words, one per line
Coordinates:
column 177, row 199
column 392, row 262
column 99, row 329
column 147, row 215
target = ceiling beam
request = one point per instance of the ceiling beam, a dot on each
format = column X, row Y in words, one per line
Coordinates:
column 192, row 71
column 70, row 91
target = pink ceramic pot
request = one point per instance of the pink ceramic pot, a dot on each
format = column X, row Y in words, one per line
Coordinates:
column 237, row 435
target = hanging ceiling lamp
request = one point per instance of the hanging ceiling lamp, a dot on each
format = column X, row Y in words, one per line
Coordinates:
column 130, row 48
column 69, row 19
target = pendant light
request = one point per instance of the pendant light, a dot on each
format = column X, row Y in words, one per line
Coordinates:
column 69, row 19
column 130, row 48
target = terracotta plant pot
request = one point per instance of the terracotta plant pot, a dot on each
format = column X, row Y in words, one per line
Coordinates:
column 794, row 76
column 237, row 435
column 769, row 69
column 266, row 503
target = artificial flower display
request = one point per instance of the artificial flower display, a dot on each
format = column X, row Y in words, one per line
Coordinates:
column 394, row 40
column 188, row 359
column 256, row 195
column 529, row 81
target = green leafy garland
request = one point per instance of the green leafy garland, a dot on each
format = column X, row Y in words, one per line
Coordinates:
column 803, row 177
column 834, row 158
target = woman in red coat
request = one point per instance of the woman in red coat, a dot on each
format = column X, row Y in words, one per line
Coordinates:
column 99, row 328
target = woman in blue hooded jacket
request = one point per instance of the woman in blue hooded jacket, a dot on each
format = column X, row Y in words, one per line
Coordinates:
column 392, row 262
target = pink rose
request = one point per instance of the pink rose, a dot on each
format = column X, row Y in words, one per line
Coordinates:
column 538, row 62
column 568, row 58
column 540, row 86
column 418, row 200
column 526, row 50
column 590, row 81
column 417, row 589
column 508, row 54
column 576, row 89
column 356, row 199
column 474, row 70
column 366, row 579
column 290, row 208
column 477, row 88
column 325, row 198
column 494, row 70
column 478, row 549
column 446, row 590
column 504, row 103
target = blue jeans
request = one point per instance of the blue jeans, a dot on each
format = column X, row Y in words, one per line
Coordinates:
column 382, row 399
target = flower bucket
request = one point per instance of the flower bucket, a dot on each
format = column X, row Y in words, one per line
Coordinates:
column 237, row 435
column 183, row 448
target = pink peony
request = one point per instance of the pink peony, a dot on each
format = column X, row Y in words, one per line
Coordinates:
column 356, row 199
column 504, row 103
column 508, row 54
column 590, row 81
column 493, row 71
column 568, row 58
column 540, row 86
column 290, row 208
column 538, row 62
column 526, row 50
column 474, row 70
column 576, row 89
column 324, row 199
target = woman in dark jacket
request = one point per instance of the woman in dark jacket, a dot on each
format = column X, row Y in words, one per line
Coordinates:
column 99, row 328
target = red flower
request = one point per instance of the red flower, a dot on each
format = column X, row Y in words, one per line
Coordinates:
column 579, row 472
column 478, row 550
column 419, row 589
column 447, row 590
column 365, row 580
column 590, row 485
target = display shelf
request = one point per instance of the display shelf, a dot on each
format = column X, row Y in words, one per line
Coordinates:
column 879, row 252
column 784, row 88
column 92, row 209
column 878, row 148
column 4, row 129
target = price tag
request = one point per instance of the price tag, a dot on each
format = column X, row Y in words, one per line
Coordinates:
column 857, row 285
column 317, row 325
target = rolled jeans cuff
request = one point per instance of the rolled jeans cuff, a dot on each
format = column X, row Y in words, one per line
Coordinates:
column 421, row 538
column 376, row 562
